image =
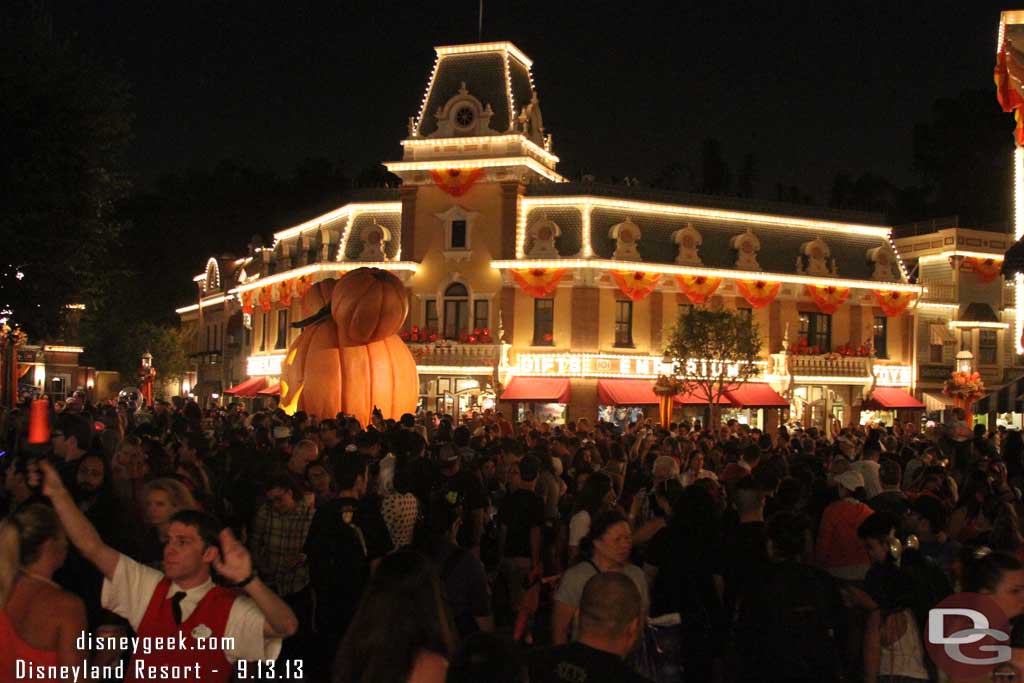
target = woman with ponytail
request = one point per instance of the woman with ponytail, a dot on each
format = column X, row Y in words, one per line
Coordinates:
column 39, row 621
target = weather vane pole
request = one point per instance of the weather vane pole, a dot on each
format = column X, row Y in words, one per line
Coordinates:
column 480, row 23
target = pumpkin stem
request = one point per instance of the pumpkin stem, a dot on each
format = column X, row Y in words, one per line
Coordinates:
column 315, row 318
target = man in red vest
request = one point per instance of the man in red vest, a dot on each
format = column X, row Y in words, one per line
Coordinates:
column 178, row 614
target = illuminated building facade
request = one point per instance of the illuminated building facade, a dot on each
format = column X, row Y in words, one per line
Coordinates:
column 534, row 293
column 967, row 306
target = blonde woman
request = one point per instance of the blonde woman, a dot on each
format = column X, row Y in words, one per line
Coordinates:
column 162, row 498
column 39, row 621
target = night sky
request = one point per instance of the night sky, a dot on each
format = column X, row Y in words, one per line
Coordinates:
column 811, row 88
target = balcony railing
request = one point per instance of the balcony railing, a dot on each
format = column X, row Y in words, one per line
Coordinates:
column 821, row 366
column 456, row 354
column 943, row 293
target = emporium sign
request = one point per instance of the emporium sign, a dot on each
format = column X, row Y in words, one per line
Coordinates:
column 264, row 365
column 611, row 365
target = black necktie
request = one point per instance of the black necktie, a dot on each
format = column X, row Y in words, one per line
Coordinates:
column 176, row 605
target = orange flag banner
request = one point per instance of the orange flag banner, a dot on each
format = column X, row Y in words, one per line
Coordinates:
column 635, row 285
column 456, row 181
column 758, row 293
column 538, row 282
column 828, row 298
column 892, row 303
column 247, row 297
column 265, row 298
column 302, row 285
column 1007, row 69
column 284, row 292
column 698, row 288
column 987, row 269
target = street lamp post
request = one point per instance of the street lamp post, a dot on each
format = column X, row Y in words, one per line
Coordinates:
column 965, row 362
column 147, row 373
column 665, row 388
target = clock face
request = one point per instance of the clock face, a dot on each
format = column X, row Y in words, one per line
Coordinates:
column 464, row 117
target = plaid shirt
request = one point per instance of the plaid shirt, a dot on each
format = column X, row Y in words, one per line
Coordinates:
column 277, row 542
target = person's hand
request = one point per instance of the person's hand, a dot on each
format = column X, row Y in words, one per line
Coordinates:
column 42, row 472
column 233, row 561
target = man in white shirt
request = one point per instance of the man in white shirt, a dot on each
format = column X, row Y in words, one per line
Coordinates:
column 183, row 605
column 868, row 468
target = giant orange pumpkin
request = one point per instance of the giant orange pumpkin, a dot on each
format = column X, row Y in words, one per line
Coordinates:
column 368, row 304
column 324, row 377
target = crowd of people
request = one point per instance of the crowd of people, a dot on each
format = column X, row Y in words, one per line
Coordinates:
column 435, row 548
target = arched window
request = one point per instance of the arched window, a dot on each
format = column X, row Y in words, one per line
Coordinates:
column 456, row 310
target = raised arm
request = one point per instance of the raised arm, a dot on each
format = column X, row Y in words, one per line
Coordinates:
column 79, row 530
column 235, row 564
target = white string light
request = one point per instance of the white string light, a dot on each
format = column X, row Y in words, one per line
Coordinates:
column 334, row 214
column 713, row 214
column 325, row 267
column 426, row 95
column 444, row 144
column 672, row 269
column 933, row 258
column 506, row 47
column 953, row 324
column 440, row 165
column 205, row 303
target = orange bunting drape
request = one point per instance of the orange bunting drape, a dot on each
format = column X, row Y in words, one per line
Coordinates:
column 456, row 181
column 284, row 292
column 987, row 269
column 828, row 298
column 634, row 284
column 758, row 293
column 698, row 288
column 1007, row 94
column 302, row 285
column 892, row 303
column 538, row 282
column 247, row 298
column 265, row 298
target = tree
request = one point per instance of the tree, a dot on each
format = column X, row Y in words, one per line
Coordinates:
column 66, row 123
column 714, row 351
column 169, row 346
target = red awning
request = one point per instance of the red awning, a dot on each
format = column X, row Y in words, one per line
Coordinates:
column 693, row 396
column 247, row 389
column 887, row 398
column 551, row 389
column 756, row 395
column 273, row 390
column 625, row 392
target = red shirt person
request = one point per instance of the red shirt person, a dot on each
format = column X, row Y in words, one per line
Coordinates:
column 183, row 604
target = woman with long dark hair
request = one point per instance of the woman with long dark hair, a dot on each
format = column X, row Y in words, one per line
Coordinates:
column 401, row 632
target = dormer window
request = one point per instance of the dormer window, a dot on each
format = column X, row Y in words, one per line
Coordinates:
column 458, row 238
column 458, row 232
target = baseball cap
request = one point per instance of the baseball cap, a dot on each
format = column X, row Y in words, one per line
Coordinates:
column 282, row 432
column 407, row 420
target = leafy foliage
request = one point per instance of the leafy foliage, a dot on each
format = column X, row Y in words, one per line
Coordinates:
column 169, row 346
column 66, row 124
column 716, row 335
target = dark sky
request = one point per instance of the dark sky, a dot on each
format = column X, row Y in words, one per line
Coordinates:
column 810, row 87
